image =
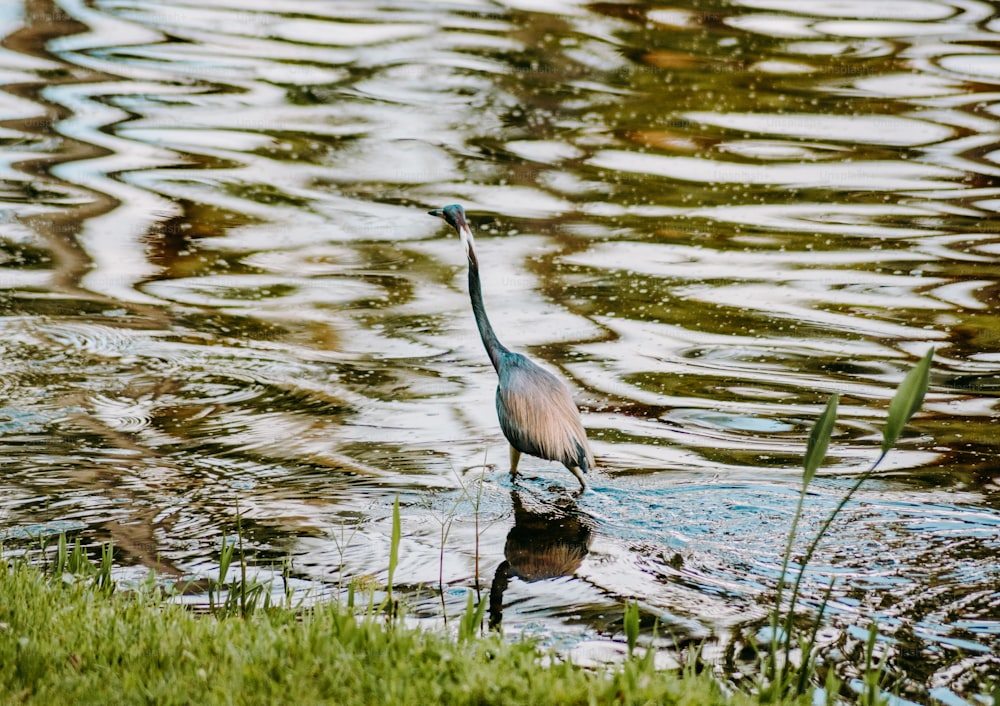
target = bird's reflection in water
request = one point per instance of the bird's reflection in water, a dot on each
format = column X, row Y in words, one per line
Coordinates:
column 544, row 543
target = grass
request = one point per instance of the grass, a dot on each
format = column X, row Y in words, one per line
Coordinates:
column 67, row 636
column 70, row 642
column 789, row 679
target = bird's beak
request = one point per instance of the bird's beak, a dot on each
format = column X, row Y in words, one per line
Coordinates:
column 436, row 212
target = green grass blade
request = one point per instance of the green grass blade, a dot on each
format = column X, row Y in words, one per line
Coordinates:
column 631, row 622
column 909, row 396
column 807, row 667
column 472, row 619
column 78, row 562
column 225, row 558
column 394, row 547
column 61, row 556
column 481, row 610
column 286, row 576
column 819, row 440
column 243, row 562
column 907, row 401
column 104, row 580
column 871, row 695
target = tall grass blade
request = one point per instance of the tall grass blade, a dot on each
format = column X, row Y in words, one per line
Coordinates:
column 243, row 561
column 78, row 563
column 343, row 543
column 871, row 694
column 61, row 556
column 104, row 580
column 445, row 531
column 225, row 559
column 478, row 504
column 472, row 619
column 394, row 548
column 43, row 547
column 819, row 440
column 831, row 688
column 907, row 401
column 807, row 651
column 286, row 583
column 631, row 624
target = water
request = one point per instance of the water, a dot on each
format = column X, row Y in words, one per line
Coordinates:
column 220, row 290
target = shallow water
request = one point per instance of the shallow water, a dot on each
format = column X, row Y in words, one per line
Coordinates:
column 220, row 291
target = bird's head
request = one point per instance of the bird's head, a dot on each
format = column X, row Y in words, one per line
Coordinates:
column 455, row 216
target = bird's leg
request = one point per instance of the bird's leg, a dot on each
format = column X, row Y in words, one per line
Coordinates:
column 515, row 456
column 575, row 470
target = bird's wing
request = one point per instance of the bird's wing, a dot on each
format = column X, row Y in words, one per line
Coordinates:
column 538, row 415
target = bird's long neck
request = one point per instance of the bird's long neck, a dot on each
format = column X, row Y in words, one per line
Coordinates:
column 493, row 346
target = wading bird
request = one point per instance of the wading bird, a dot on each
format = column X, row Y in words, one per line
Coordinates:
column 536, row 411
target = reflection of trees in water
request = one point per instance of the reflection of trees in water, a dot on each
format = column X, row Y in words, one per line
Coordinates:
column 542, row 544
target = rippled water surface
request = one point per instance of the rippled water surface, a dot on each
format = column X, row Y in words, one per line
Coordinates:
column 220, row 290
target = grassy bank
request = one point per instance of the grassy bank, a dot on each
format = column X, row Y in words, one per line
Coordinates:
column 72, row 643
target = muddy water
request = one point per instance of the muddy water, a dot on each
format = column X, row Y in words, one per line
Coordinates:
column 220, row 291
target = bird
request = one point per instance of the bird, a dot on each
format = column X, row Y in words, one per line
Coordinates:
column 536, row 411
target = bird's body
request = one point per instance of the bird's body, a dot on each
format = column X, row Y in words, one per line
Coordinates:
column 536, row 411
column 538, row 416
